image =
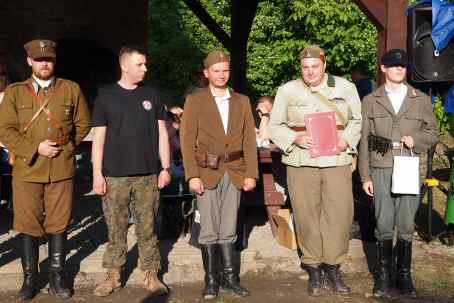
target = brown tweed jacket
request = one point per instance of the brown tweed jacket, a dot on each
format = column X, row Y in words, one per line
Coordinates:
column 202, row 129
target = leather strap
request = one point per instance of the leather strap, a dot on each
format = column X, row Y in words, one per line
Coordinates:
column 232, row 156
column 226, row 157
column 42, row 104
column 303, row 128
column 327, row 102
column 43, row 108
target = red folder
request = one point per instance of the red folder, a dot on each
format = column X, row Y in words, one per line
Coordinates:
column 323, row 130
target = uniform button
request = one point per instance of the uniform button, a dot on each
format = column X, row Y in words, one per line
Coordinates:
column 48, row 119
column 25, row 160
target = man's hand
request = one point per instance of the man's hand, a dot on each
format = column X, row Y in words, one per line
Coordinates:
column 342, row 145
column 49, row 148
column 261, row 108
column 368, row 188
column 196, row 185
column 248, row 184
column 304, row 141
column 164, row 178
column 99, row 185
column 408, row 141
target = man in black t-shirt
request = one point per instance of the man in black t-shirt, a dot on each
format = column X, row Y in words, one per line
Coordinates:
column 129, row 132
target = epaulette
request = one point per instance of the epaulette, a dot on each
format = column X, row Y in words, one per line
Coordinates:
column 22, row 83
column 415, row 92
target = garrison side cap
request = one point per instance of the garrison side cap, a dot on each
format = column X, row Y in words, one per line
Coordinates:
column 313, row 51
column 215, row 57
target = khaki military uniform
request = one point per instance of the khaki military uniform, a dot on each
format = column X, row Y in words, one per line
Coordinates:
column 67, row 104
column 320, row 188
column 416, row 119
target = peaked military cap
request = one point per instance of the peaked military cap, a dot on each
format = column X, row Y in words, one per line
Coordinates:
column 395, row 57
column 40, row 48
column 215, row 57
column 312, row 51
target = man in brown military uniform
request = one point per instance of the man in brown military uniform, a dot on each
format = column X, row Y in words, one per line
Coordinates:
column 42, row 120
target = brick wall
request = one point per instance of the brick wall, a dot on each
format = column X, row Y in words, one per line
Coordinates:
column 104, row 25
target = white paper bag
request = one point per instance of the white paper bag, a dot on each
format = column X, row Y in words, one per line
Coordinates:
column 405, row 178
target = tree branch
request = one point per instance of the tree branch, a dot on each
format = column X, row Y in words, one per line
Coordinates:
column 196, row 7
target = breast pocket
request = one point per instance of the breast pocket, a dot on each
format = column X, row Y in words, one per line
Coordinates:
column 412, row 122
column 25, row 112
column 67, row 111
column 296, row 110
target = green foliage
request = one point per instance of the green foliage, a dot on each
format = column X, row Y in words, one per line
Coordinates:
column 179, row 41
column 445, row 120
column 281, row 30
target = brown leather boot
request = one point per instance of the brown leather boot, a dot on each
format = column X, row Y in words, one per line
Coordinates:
column 152, row 283
column 111, row 283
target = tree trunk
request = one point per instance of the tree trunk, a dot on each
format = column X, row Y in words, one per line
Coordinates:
column 242, row 16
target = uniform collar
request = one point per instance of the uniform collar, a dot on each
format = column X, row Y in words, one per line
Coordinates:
column 331, row 82
column 226, row 96
column 38, row 84
column 411, row 92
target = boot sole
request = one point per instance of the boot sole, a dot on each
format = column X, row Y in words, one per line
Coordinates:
column 52, row 292
column 103, row 296
column 209, row 297
column 231, row 291
column 157, row 292
column 332, row 288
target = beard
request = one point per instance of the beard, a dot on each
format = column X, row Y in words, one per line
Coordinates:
column 43, row 73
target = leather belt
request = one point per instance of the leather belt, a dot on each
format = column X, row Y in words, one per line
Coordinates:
column 232, row 156
column 303, row 128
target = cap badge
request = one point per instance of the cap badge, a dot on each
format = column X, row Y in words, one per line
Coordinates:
column 398, row 55
column 42, row 45
column 146, row 105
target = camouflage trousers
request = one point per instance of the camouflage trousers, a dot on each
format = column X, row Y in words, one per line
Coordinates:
column 143, row 190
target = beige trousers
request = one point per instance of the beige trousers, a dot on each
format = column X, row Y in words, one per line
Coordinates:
column 322, row 203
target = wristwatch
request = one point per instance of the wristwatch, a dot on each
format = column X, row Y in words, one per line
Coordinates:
column 266, row 115
column 167, row 169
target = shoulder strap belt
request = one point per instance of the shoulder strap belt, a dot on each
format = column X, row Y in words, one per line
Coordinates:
column 327, row 102
column 43, row 108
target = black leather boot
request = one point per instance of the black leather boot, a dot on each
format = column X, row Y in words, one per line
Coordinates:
column 404, row 281
column 57, row 257
column 333, row 277
column 230, row 280
column 382, row 274
column 30, row 259
column 314, row 288
column 210, row 258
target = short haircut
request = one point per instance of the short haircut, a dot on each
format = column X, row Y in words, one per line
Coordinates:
column 262, row 99
column 131, row 49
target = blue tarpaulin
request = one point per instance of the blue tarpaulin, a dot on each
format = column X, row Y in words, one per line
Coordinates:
column 442, row 21
column 449, row 102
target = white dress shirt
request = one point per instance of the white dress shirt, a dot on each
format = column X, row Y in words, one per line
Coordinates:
column 222, row 102
column 397, row 96
column 43, row 83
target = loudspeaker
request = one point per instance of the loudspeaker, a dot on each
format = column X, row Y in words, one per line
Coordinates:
column 425, row 66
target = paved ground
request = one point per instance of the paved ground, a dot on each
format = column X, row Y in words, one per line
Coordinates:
column 270, row 270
